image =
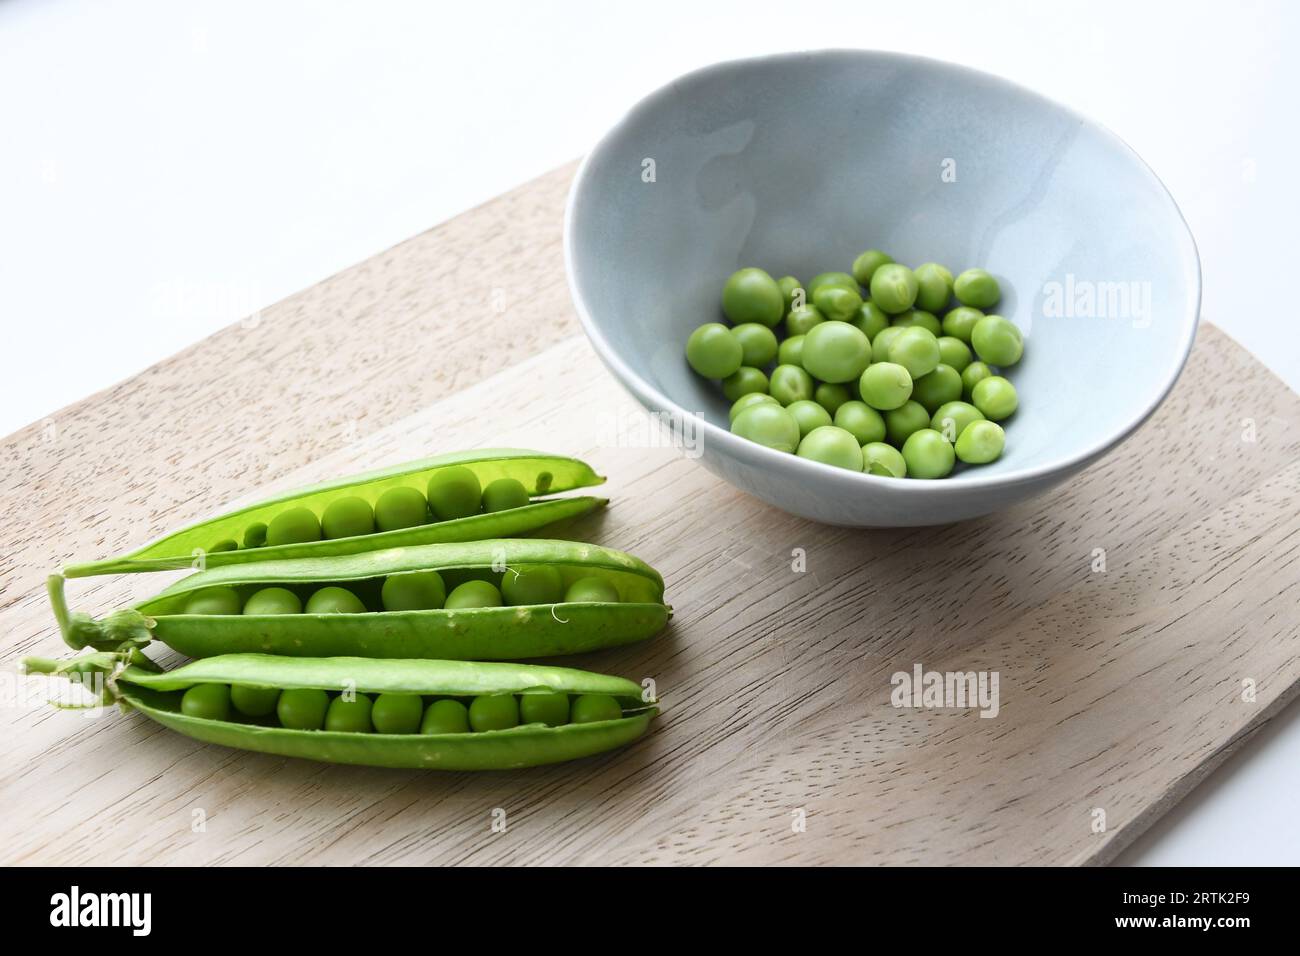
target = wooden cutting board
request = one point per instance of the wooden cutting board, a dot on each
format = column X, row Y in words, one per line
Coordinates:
column 1118, row 688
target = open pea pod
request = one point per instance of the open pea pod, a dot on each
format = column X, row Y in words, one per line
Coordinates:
column 631, row 606
column 161, row 696
column 240, row 537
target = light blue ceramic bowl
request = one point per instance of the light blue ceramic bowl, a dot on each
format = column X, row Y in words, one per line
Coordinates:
column 796, row 163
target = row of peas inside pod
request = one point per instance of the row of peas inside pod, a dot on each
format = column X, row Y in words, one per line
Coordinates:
column 877, row 369
column 394, row 638
column 498, row 599
column 418, row 714
column 463, row 496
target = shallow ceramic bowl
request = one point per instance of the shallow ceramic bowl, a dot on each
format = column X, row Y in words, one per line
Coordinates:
column 796, row 163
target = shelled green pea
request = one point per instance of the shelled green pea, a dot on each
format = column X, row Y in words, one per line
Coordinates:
column 744, row 381
column 590, row 708
column 207, row 701
column 981, row 442
column 933, row 286
column 841, row 279
column 916, row 349
column 413, row 591
column 272, row 600
column 885, row 385
column 883, row 460
column 394, row 713
column 831, row 396
column 792, row 292
column 254, row 701
column 493, row 712
column 802, row 319
column 293, row 526
column 940, row 386
column 302, row 708
column 894, row 288
column 445, row 717
column 901, row 422
column 790, row 352
column 713, row 351
column 832, row 445
column 790, row 383
column 863, row 357
column 334, row 600
column 836, row 352
column 751, row 295
column 960, row 322
column 871, row 320
column 350, row 713
column 348, row 517
column 770, row 424
column 997, row 341
column 860, row 420
column 928, row 454
column 549, row 709
column 454, row 493
column 951, row 419
column 976, row 288
column 809, row 415
column 837, row 303
column 218, row 600
column 866, row 264
column 591, row 590
column 919, row 318
column 757, row 344
column 972, row 375
column 995, row 397
column 883, row 341
column 403, row 507
column 473, row 594
column 742, row 403
column 536, row 584
column 954, row 353
column 504, row 494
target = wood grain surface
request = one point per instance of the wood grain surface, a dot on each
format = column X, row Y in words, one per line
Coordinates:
column 1118, row 688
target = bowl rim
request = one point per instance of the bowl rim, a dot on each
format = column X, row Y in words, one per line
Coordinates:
column 651, row 397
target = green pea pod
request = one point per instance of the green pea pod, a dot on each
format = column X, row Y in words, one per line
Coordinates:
column 201, row 545
column 157, row 695
column 481, row 633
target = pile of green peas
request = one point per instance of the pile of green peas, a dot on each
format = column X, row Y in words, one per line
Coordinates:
column 453, row 492
column 391, row 713
column 864, row 374
column 413, row 591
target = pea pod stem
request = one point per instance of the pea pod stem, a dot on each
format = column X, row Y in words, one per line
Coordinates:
column 101, row 662
column 43, row 665
column 122, row 629
column 97, row 671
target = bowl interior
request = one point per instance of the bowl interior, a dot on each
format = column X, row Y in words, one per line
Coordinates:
column 796, row 163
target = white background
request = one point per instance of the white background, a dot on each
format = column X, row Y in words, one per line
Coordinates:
column 166, row 168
